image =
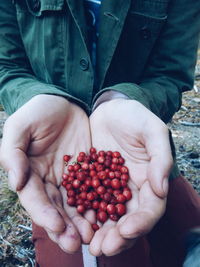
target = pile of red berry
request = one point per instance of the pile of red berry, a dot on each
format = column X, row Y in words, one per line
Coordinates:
column 98, row 181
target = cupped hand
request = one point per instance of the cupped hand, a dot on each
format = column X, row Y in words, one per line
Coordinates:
column 142, row 139
column 34, row 141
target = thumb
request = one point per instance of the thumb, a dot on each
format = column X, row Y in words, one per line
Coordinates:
column 13, row 157
column 161, row 161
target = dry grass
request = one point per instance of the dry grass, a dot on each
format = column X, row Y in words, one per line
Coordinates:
column 16, row 248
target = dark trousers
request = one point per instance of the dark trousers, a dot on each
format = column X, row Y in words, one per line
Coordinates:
column 164, row 246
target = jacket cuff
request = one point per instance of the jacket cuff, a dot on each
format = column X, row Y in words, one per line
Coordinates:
column 20, row 90
column 130, row 90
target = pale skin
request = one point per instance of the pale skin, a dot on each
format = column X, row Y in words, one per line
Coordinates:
column 47, row 127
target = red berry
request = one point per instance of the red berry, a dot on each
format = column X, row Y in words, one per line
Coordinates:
column 106, row 182
column 115, row 160
column 115, row 183
column 83, row 195
column 87, row 204
column 127, row 194
column 71, row 193
column 64, row 183
column 92, row 150
column 124, row 169
column 82, row 154
column 95, row 183
column 88, row 182
column 103, row 205
column 80, row 176
column 65, row 176
column 107, row 197
column 66, row 158
column 111, row 209
column 83, row 188
column 114, row 217
column 95, row 227
column 71, row 201
column 90, row 196
column 113, row 167
column 123, row 183
column 101, row 159
column 111, row 175
column 121, row 198
column 94, row 156
column 85, row 166
column 70, row 168
column 125, row 177
column 117, row 174
column 100, row 190
column 80, row 209
column 102, row 216
column 79, row 201
column 77, row 167
column 116, row 154
column 95, row 205
column 121, row 160
column 102, row 175
column 76, row 183
column 101, row 153
column 120, row 209
column 80, row 159
column 68, row 186
column 107, row 163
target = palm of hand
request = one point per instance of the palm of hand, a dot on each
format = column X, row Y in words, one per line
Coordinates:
column 39, row 145
column 121, row 131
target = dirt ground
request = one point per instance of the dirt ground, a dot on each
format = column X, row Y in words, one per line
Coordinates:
column 16, row 248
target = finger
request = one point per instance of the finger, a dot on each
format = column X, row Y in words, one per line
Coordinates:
column 34, row 199
column 158, row 148
column 83, row 225
column 95, row 247
column 150, row 210
column 113, row 243
column 12, row 156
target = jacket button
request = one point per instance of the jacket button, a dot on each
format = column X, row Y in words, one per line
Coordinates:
column 145, row 33
column 84, row 64
column 36, row 5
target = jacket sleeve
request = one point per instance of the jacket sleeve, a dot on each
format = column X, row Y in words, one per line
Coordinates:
column 170, row 68
column 17, row 81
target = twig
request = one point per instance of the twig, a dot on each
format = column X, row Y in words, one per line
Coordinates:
column 25, row 227
column 192, row 124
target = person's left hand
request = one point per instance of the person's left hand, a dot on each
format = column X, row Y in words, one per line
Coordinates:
column 142, row 139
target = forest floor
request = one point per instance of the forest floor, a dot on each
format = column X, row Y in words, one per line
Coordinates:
column 16, row 248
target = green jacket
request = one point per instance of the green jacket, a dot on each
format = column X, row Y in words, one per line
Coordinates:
column 146, row 49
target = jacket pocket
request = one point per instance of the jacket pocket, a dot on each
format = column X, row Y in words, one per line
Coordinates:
column 41, row 24
column 39, row 7
column 139, row 37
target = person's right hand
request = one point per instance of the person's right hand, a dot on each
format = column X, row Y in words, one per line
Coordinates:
column 34, row 141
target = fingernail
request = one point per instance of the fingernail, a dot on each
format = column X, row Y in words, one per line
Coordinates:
column 165, row 185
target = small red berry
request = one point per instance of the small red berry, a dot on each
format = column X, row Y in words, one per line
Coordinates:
column 121, row 198
column 116, row 154
column 66, row 158
column 95, row 227
column 120, row 209
column 111, row 209
column 102, row 216
column 92, row 150
column 115, row 183
column 76, row 183
column 100, row 190
column 71, row 201
column 80, row 209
